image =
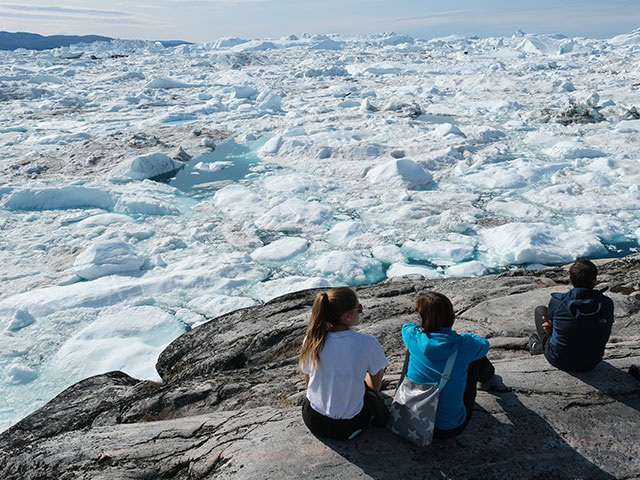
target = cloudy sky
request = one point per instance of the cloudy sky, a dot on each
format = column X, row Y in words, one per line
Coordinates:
column 204, row 20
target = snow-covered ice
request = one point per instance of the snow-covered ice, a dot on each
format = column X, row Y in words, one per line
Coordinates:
column 146, row 190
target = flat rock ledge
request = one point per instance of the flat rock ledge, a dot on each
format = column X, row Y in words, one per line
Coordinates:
column 228, row 406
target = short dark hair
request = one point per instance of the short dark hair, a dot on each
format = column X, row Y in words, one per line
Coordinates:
column 583, row 273
column 436, row 311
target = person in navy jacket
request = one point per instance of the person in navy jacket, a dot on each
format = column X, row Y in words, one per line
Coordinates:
column 574, row 329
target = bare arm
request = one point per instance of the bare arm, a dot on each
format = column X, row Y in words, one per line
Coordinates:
column 374, row 382
column 306, row 379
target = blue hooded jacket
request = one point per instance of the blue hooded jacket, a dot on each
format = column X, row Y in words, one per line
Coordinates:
column 428, row 353
column 582, row 320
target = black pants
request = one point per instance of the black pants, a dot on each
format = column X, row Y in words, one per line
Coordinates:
column 539, row 312
column 341, row 429
column 479, row 371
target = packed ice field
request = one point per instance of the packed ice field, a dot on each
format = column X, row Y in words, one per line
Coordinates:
column 338, row 161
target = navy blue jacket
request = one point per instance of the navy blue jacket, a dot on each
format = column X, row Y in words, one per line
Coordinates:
column 582, row 320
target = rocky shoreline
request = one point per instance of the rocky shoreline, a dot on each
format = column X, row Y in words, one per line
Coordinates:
column 228, row 406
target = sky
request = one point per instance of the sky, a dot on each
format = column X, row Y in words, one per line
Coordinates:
column 207, row 20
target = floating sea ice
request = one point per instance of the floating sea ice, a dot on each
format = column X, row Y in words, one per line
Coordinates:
column 163, row 82
column 445, row 129
column 349, row 104
column 107, row 258
column 545, row 44
column 347, row 268
column 281, row 250
column 294, row 215
column 256, row 46
column 451, row 221
column 226, row 274
column 268, row 101
column 366, row 106
column 19, row 374
column 518, row 243
column 485, row 134
column 402, row 269
column 325, row 71
column 238, row 202
column 455, row 249
column 607, row 227
column 395, row 39
column 58, row 199
column 292, row 183
column 59, row 139
column 130, row 340
column 296, row 131
column 42, row 78
column 467, row 269
column 276, row 288
column 228, row 42
column 213, row 305
column 244, row 91
column 326, row 44
column 388, row 253
column 375, row 69
column 21, row 319
column 145, row 203
column 241, row 235
column 341, row 233
column 402, row 172
column 509, row 175
column 271, row 147
column 628, row 126
column 570, row 150
column 213, row 166
column 148, row 166
column 510, row 207
column 104, row 220
column 592, row 179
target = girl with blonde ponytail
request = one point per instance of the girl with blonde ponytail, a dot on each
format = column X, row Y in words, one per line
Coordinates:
column 339, row 366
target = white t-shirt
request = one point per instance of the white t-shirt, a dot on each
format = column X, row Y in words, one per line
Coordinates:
column 336, row 384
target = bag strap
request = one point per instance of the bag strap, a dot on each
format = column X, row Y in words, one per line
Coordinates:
column 446, row 374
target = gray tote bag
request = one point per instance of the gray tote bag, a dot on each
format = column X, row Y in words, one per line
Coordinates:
column 413, row 411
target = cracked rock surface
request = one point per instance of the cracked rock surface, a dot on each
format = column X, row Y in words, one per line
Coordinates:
column 228, row 406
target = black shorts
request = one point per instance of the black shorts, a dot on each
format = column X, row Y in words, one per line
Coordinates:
column 341, row 429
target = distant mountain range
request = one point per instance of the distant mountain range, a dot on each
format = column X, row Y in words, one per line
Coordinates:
column 33, row 41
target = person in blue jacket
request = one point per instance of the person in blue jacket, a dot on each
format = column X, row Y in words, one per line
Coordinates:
column 429, row 345
column 574, row 329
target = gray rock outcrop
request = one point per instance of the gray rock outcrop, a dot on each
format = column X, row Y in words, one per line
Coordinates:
column 228, row 406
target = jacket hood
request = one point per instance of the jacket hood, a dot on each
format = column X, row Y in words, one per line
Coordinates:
column 441, row 344
column 583, row 303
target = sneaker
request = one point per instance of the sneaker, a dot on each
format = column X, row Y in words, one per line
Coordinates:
column 535, row 345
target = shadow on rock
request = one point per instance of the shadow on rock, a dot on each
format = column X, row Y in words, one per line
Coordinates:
column 505, row 440
column 613, row 382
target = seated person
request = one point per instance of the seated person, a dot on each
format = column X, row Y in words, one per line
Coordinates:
column 337, row 363
column 574, row 329
column 429, row 345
